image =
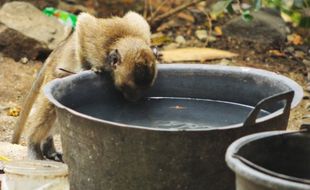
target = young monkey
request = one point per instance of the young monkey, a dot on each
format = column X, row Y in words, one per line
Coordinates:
column 120, row 46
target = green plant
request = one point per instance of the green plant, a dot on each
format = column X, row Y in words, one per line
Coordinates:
column 294, row 9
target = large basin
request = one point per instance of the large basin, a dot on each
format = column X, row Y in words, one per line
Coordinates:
column 176, row 136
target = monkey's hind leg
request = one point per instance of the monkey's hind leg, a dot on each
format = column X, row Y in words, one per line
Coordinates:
column 49, row 150
column 40, row 144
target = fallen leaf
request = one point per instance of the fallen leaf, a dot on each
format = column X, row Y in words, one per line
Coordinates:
column 218, row 31
column 14, row 111
column 159, row 39
column 295, row 39
column 3, row 158
column 186, row 17
column 276, row 53
column 195, row 54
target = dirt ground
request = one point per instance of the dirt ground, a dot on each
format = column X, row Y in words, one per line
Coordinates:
column 16, row 79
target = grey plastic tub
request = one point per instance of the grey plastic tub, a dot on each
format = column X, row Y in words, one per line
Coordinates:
column 120, row 145
column 271, row 161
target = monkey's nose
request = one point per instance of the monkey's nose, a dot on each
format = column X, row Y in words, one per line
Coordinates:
column 132, row 95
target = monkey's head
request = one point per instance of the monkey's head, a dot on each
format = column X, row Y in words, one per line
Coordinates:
column 118, row 49
column 133, row 66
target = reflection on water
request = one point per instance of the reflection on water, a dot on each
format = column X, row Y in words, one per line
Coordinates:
column 169, row 112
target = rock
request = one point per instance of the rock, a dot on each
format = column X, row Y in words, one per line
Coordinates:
column 41, row 4
column 266, row 27
column 199, row 16
column 299, row 54
column 171, row 46
column 306, row 62
column 16, row 45
column 13, row 151
column 308, row 88
column 211, row 38
column 31, row 22
column 306, row 96
column 24, row 60
column 201, row 34
column 180, row 40
column 289, row 49
column 307, row 116
column 225, row 62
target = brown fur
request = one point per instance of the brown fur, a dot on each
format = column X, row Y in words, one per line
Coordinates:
column 120, row 46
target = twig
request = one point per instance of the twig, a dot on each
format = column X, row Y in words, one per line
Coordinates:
column 145, row 9
column 157, row 10
column 150, row 7
column 70, row 72
column 157, row 20
column 210, row 26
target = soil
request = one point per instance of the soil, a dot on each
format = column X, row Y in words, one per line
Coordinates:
column 16, row 80
column 16, row 77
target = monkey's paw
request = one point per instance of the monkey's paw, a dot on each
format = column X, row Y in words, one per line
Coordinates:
column 56, row 156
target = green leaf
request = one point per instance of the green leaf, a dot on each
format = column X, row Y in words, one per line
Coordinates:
column 246, row 16
column 230, row 9
column 287, row 4
column 219, row 7
column 305, row 22
column 296, row 17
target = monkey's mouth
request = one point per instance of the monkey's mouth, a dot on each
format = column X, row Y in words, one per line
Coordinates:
column 130, row 93
column 132, row 96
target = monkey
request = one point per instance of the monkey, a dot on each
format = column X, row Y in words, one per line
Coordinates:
column 119, row 46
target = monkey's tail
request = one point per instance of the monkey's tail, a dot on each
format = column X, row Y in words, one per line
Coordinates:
column 29, row 101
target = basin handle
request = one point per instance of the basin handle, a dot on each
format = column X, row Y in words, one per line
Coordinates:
column 305, row 127
column 287, row 96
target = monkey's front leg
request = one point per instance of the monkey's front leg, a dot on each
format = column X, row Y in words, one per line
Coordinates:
column 40, row 144
column 49, row 150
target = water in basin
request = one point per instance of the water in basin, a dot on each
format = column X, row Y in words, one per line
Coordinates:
column 170, row 112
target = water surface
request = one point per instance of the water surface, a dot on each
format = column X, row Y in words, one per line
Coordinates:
column 170, row 112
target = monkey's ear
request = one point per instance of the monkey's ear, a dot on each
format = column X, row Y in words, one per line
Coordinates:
column 85, row 21
column 156, row 53
column 86, row 26
column 114, row 58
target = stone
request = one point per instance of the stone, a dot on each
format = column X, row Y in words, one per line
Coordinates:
column 289, row 49
column 171, row 46
column 306, row 62
column 211, row 38
column 41, row 4
column 24, row 60
column 201, row 34
column 267, row 27
column 308, row 88
column 225, row 62
column 299, row 54
column 180, row 40
column 16, row 45
column 306, row 96
column 31, row 22
column 13, row 151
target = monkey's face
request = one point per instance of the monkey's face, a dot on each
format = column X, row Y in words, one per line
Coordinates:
column 133, row 71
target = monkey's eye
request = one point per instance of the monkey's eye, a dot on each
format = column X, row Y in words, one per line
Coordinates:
column 156, row 52
column 114, row 58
